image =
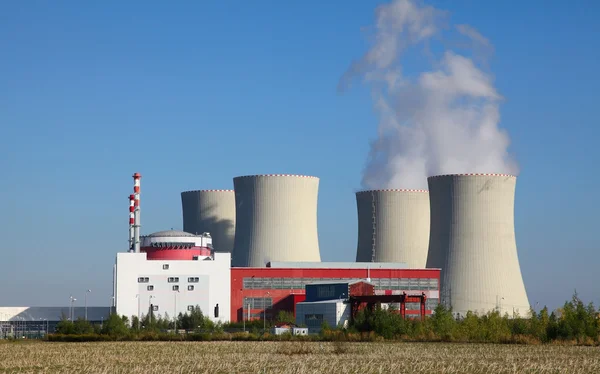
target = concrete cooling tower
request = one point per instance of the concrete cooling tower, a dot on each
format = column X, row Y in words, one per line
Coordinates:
column 393, row 226
column 276, row 219
column 473, row 241
column 210, row 211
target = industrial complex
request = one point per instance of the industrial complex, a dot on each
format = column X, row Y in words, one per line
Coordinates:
column 251, row 252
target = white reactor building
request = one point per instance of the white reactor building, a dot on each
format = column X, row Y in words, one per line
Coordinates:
column 210, row 211
column 473, row 241
column 276, row 219
column 393, row 226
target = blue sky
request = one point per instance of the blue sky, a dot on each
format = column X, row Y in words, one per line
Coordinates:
column 194, row 93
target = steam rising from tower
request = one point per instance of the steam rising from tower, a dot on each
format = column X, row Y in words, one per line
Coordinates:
column 439, row 120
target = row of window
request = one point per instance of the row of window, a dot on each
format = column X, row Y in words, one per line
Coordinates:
column 175, row 288
column 430, row 304
column 411, row 284
column 170, row 280
column 155, row 308
column 258, row 302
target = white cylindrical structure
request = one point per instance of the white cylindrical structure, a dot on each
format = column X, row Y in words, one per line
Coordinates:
column 276, row 219
column 211, row 211
column 393, row 226
column 473, row 241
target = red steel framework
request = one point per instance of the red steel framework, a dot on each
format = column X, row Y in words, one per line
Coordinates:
column 359, row 301
column 286, row 299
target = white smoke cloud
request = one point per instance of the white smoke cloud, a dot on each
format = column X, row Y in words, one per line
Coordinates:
column 443, row 119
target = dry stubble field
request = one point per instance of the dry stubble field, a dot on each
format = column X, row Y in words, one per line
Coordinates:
column 293, row 357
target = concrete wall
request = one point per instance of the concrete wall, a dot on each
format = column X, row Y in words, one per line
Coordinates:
column 473, row 240
column 213, row 287
column 393, row 226
column 276, row 219
column 210, row 211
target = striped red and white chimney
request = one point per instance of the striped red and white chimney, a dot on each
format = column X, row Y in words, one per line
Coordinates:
column 131, row 219
column 136, row 209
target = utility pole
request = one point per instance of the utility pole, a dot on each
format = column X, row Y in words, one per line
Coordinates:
column 72, row 308
column 175, row 316
column 88, row 291
column 265, row 313
column 138, row 297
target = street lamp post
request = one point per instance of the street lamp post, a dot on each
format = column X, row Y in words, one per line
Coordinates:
column 151, row 312
column 265, row 313
column 85, row 305
column 73, row 300
column 175, row 311
column 138, row 297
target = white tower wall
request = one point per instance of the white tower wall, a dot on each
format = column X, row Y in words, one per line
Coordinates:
column 473, row 241
column 393, row 226
column 276, row 219
column 210, row 211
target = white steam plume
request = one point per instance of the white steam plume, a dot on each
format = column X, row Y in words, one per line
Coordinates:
column 443, row 119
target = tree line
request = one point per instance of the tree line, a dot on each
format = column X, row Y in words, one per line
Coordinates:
column 574, row 323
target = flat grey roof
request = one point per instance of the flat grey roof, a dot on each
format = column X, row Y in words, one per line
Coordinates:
column 37, row 313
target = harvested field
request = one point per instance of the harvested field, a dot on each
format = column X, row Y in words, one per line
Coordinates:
column 293, row 357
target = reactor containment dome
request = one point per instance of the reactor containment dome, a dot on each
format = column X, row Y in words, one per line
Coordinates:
column 473, row 241
column 276, row 219
column 393, row 226
column 210, row 211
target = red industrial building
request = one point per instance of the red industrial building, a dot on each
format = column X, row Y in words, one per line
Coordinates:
column 280, row 286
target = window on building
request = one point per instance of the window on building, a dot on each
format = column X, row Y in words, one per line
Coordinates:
column 403, row 283
column 190, row 288
column 431, row 304
column 413, row 306
column 165, row 266
column 433, row 284
column 173, row 279
column 385, row 284
column 150, row 288
column 247, row 283
column 190, row 308
column 155, row 308
column 175, row 288
column 258, row 302
column 143, row 280
column 193, row 280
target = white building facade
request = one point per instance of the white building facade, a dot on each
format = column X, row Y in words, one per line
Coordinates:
column 171, row 287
